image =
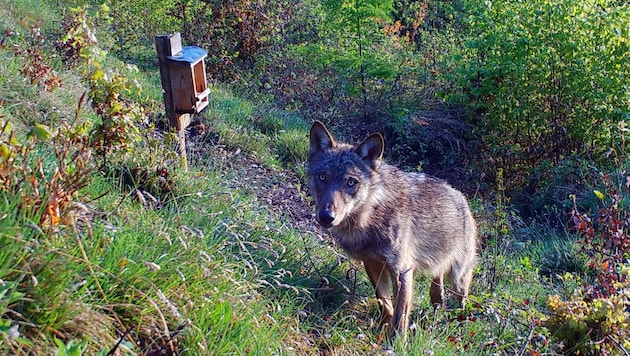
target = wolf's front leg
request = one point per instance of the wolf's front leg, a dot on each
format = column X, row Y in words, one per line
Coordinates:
column 403, row 294
column 380, row 278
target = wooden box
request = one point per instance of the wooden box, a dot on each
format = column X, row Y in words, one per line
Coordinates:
column 187, row 71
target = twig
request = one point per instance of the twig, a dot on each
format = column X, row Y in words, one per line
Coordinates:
column 618, row 345
column 113, row 350
column 529, row 339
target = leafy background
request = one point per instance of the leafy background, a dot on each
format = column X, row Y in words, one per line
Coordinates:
column 109, row 247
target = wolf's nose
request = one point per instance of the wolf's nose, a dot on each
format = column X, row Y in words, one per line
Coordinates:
column 326, row 217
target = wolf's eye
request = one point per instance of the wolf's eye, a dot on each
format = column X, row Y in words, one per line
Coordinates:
column 322, row 177
column 351, row 182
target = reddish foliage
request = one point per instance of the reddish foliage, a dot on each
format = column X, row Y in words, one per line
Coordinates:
column 232, row 32
column 606, row 242
column 36, row 70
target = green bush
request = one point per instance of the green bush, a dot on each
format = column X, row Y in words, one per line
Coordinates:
column 118, row 127
column 585, row 326
column 545, row 79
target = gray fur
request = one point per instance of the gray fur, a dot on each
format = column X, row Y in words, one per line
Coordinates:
column 395, row 222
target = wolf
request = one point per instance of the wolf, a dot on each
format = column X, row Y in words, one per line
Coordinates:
column 396, row 223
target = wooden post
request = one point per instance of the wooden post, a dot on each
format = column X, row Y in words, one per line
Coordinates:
column 168, row 45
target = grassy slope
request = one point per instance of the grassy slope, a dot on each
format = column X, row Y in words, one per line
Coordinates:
column 220, row 269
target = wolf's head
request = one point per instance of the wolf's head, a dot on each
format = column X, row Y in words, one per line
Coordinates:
column 340, row 175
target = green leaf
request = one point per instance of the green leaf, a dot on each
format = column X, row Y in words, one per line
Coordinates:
column 5, row 152
column 41, row 131
column 599, row 194
column 98, row 74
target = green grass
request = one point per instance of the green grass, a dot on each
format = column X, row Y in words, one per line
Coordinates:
column 209, row 245
column 214, row 269
column 21, row 15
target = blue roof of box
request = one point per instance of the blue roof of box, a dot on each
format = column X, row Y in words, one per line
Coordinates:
column 189, row 54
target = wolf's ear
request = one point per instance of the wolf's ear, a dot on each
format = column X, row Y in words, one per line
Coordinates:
column 320, row 139
column 371, row 150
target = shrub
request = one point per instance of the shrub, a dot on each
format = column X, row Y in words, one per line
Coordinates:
column 36, row 68
column 606, row 240
column 232, row 32
column 43, row 191
column 118, row 129
column 544, row 80
column 585, row 326
column 596, row 318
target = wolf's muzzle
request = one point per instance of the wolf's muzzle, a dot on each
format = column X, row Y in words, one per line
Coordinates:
column 325, row 218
